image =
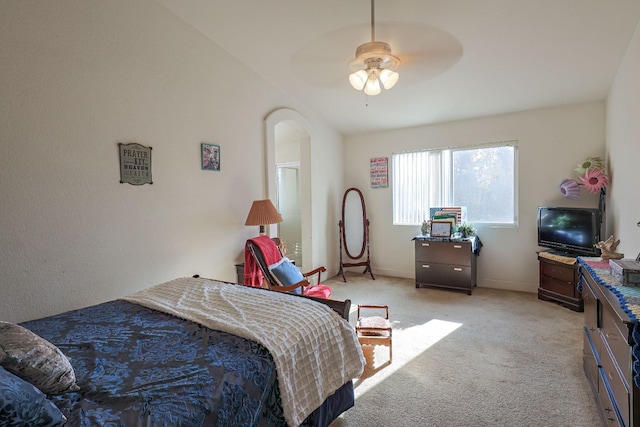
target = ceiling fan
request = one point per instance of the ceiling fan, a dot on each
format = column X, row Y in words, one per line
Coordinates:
column 376, row 63
column 424, row 51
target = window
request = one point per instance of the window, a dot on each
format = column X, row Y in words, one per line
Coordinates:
column 482, row 178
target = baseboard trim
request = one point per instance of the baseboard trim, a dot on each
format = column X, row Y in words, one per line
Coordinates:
column 482, row 282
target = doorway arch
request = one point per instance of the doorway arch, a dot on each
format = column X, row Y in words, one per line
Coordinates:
column 297, row 128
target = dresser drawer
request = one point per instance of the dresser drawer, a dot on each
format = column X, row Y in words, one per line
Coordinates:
column 591, row 308
column 614, row 334
column 458, row 276
column 617, row 385
column 558, row 286
column 444, row 252
column 611, row 416
column 559, row 272
column 589, row 362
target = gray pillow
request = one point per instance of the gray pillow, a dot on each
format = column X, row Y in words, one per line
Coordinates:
column 35, row 360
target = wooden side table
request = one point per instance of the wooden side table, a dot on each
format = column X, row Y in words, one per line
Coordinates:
column 240, row 273
column 558, row 282
column 374, row 329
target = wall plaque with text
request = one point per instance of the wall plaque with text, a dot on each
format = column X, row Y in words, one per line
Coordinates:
column 378, row 169
column 135, row 164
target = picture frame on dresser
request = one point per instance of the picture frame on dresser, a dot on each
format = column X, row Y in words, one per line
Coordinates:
column 440, row 229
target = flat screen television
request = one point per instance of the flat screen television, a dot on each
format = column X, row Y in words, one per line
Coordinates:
column 573, row 231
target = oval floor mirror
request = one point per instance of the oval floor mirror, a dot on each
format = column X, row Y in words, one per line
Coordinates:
column 354, row 233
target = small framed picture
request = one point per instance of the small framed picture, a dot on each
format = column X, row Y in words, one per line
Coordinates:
column 210, row 157
column 440, row 229
column 135, row 164
column 378, row 171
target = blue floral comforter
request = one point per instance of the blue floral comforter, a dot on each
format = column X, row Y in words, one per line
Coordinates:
column 140, row 367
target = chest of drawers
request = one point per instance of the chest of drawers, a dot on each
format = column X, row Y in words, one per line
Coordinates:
column 449, row 264
column 608, row 354
column 558, row 283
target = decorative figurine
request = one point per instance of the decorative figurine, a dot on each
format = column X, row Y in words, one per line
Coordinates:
column 608, row 248
column 425, row 227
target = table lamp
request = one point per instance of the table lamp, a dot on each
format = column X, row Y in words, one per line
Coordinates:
column 262, row 213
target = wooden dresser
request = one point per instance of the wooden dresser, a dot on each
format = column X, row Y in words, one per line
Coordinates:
column 558, row 281
column 608, row 348
column 449, row 263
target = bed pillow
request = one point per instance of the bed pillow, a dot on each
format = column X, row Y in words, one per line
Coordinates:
column 35, row 360
column 287, row 273
column 22, row 404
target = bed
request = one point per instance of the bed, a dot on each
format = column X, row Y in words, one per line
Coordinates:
column 193, row 352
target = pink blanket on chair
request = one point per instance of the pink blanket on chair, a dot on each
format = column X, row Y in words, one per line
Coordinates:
column 271, row 254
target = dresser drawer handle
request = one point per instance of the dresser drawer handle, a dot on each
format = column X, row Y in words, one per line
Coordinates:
column 425, row 244
column 457, row 246
column 426, row 266
column 457, row 269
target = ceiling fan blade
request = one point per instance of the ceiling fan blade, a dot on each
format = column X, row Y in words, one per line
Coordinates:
column 424, row 51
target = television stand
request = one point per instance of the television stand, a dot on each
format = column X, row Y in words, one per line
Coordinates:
column 558, row 280
column 561, row 253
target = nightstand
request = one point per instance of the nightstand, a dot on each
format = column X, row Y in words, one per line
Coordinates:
column 240, row 273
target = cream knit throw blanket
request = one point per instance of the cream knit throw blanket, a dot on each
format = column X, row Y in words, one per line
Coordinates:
column 314, row 349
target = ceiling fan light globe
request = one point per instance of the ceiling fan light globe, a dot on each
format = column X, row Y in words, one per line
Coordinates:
column 358, row 79
column 389, row 78
column 373, row 85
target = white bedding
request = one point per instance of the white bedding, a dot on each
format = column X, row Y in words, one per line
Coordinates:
column 314, row 349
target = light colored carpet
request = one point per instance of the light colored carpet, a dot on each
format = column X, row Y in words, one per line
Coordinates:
column 495, row 358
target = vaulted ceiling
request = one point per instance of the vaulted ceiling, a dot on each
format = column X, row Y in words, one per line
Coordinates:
column 460, row 58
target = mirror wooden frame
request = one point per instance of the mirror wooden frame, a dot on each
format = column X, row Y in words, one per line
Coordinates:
column 365, row 238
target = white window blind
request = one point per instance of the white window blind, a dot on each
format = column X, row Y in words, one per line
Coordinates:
column 482, row 178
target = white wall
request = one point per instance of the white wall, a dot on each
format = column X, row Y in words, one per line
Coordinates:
column 79, row 76
column 623, row 152
column 551, row 143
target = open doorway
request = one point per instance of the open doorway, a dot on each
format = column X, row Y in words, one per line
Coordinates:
column 288, row 140
column 290, row 229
